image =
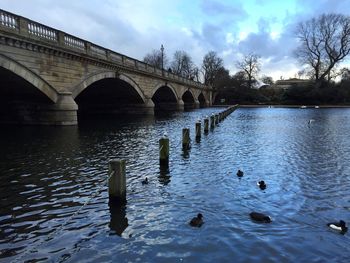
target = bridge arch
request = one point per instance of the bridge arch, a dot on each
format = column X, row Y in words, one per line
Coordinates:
column 26, row 74
column 156, row 88
column 188, row 93
column 110, row 93
column 201, row 99
column 106, row 75
column 165, row 98
column 189, row 99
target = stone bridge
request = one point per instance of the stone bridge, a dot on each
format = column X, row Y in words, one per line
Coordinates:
column 49, row 77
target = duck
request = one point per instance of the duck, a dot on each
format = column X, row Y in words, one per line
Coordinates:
column 239, row 173
column 310, row 121
column 145, row 181
column 339, row 226
column 262, row 185
column 197, row 221
column 259, row 217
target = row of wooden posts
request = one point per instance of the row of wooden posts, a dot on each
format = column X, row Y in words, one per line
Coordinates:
column 117, row 167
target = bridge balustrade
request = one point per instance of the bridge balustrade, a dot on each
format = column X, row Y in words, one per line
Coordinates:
column 74, row 42
column 8, row 20
column 42, row 31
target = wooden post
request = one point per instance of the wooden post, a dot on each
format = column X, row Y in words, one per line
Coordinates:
column 206, row 125
column 198, row 129
column 185, row 138
column 117, row 180
column 164, row 151
column 212, row 122
column 216, row 119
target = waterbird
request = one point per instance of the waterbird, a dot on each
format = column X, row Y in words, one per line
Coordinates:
column 339, row 226
column 310, row 121
column 259, row 217
column 239, row 173
column 262, row 185
column 145, row 181
column 197, row 221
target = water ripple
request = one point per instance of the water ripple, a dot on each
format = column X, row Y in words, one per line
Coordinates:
column 54, row 202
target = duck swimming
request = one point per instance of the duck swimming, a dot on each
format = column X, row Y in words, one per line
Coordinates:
column 339, row 226
column 262, row 185
column 259, row 217
column 145, row 181
column 239, row 173
column 197, row 221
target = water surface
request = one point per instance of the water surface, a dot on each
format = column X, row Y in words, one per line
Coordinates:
column 54, row 200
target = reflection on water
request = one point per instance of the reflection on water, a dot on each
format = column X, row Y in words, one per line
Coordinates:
column 54, row 203
column 164, row 175
column 118, row 222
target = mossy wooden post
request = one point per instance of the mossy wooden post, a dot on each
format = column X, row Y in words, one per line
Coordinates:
column 117, row 181
column 185, row 138
column 164, row 151
column 212, row 122
column 206, row 125
column 198, row 129
column 216, row 119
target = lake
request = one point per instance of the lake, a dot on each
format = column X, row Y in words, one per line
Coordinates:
column 54, row 194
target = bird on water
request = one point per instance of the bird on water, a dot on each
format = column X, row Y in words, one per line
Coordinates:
column 339, row 226
column 197, row 221
column 262, row 185
column 145, row 181
column 259, row 217
column 239, row 173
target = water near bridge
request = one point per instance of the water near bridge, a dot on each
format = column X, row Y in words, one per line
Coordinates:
column 54, row 201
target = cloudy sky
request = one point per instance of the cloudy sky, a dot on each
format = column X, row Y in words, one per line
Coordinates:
column 229, row 27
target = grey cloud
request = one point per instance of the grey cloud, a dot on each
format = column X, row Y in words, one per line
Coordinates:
column 261, row 43
column 325, row 6
column 212, row 7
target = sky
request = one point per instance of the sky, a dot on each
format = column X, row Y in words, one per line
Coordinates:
column 232, row 28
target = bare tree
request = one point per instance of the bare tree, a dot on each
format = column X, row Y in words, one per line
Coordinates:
column 267, row 80
column 195, row 74
column 210, row 66
column 324, row 42
column 182, row 64
column 250, row 65
column 240, row 79
column 301, row 73
column 345, row 74
column 222, row 79
column 155, row 59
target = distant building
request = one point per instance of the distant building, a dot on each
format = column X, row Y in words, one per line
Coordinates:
column 289, row 83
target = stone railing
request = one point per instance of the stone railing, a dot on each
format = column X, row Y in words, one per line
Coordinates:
column 42, row 31
column 27, row 28
column 73, row 42
column 8, row 20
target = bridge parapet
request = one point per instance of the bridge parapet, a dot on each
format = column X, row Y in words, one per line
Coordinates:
column 23, row 27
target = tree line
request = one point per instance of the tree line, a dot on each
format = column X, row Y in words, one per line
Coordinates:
column 324, row 42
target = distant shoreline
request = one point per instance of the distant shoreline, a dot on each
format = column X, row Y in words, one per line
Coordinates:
column 285, row 106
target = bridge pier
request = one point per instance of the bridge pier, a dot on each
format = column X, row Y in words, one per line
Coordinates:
column 63, row 112
column 180, row 105
column 197, row 104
